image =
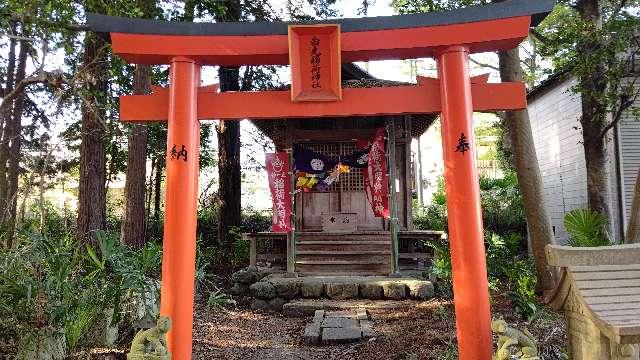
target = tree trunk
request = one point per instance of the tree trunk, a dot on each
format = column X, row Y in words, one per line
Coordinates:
column 229, row 191
column 91, row 193
column 149, row 194
column 633, row 228
column 13, row 132
column 26, row 191
column 134, row 224
column 157, row 201
column 528, row 171
column 5, row 119
column 594, row 111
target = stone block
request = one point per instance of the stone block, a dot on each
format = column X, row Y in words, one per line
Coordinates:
column 259, row 305
column 312, row 290
column 366, row 327
column 287, row 290
column 239, row 289
column 318, row 316
column 246, row 277
column 338, row 322
column 312, row 334
column 394, row 290
column 342, row 291
column 341, row 335
column 421, row 290
column 371, row 291
column 361, row 314
column 262, row 290
column 276, row 304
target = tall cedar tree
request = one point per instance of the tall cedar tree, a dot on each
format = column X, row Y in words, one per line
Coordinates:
column 5, row 118
column 229, row 191
column 133, row 231
column 10, row 150
column 92, row 192
column 528, row 171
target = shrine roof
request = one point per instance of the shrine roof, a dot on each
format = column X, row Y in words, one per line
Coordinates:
column 537, row 9
column 353, row 77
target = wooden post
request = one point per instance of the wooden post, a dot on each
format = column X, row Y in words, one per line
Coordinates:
column 291, row 236
column 179, row 245
column 470, row 285
column 393, row 222
column 253, row 252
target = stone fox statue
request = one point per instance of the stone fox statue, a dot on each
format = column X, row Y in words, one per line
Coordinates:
column 151, row 344
column 507, row 337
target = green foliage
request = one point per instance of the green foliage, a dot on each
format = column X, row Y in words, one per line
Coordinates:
column 219, row 300
column 521, row 280
column 502, row 207
column 504, row 266
column 586, row 228
column 53, row 282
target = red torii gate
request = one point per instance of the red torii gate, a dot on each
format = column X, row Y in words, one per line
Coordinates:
column 449, row 37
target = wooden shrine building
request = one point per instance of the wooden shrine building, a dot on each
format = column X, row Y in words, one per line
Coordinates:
column 364, row 246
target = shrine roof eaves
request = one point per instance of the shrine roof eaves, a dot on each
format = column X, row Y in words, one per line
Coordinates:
column 537, row 9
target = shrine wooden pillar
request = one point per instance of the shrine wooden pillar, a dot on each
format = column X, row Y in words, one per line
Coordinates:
column 180, row 218
column 470, row 285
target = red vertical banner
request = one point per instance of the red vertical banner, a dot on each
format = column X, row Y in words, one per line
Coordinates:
column 280, row 185
column 377, row 182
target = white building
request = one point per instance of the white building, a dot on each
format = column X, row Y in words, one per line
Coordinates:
column 555, row 111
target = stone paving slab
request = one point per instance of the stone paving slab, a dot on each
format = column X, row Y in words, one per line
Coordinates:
column 338, row 327
column 307, row 307
column 339, row 322
column 341, row 335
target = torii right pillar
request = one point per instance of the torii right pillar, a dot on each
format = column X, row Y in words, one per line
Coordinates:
column 470, row 284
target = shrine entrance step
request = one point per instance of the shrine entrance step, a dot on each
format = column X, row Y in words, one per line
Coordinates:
column 361, row 253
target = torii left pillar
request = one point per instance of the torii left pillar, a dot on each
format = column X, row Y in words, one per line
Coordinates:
column 180, row 217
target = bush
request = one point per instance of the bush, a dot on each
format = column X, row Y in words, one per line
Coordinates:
column 502, row 208
column 504, row 266
column 55, row 283
column 586, row 228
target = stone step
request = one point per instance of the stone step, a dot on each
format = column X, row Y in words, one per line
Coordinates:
column 333, row 268
column 308, row 307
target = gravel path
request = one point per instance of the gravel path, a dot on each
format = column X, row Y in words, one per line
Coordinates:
column 423, row 331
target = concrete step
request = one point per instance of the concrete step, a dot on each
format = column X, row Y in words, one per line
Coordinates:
column 307, row 268
column 308, row 307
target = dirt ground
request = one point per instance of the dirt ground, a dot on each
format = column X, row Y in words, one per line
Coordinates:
column 420, row 331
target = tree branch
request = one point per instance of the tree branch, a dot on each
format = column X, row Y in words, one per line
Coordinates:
column 626, row 102
column 24, row 18
column 481, row 64
column 51, row 78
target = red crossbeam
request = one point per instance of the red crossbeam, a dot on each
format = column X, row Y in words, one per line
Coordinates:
column 480, row 36
column 422, row 99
